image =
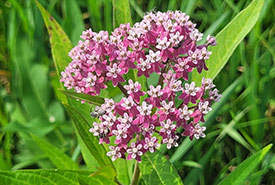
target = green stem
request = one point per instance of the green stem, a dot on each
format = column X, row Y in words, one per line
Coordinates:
column 135, row 175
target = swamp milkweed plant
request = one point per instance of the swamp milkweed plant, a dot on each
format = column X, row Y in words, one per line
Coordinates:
column 162, row 43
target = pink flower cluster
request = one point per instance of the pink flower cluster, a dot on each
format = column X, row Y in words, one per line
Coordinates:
column 139, row 127
column 164, row 43
column 159, row 41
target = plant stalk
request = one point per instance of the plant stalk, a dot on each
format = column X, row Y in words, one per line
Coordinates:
column 123, row 90
column 160, row 82
column 135, row 175
column 164, row 70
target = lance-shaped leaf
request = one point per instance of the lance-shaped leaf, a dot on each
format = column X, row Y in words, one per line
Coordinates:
column 60, row 43
column 96, row 100
column 156, row 169
column 52, row 177
column 107, row 171
column 122, row 167
column 240, row 174
column 60, row 46
column 91, row 142
column 121, row 12
column 58, row 157
column 229, row 38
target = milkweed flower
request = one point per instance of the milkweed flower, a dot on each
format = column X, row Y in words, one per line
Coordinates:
column 134, row 124
column 162, row 43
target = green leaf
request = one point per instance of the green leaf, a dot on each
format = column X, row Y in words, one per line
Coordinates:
column 229, row 38
column 122, row 166
column 91, row 142
column 121, row 12
column 51, row 177
column 89, row 159
column 156, row 169
column 4, row 165
column 58, row 158
column 60, row 44
column 239, row 175
column 107, row 171
column 56, row 85
column 37, row 126
column 96, row 100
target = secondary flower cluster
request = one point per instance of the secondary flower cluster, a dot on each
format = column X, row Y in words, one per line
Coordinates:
column 162, row 43
column 139, row 127
column 159, row 40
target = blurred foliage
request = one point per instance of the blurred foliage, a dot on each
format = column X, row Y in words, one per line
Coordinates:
column 240, row 125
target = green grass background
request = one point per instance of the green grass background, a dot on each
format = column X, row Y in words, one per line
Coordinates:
column 241, row 126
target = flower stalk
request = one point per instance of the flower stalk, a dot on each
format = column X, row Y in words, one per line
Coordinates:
column 123, row 90
column 136, row 175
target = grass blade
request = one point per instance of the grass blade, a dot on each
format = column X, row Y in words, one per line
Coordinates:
column 73, row 21
column 239, row 175
column 193, row 176
column 121, row 12
column 229, row 38
column 94, row 7
column 229, row 129
column 136, row 7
